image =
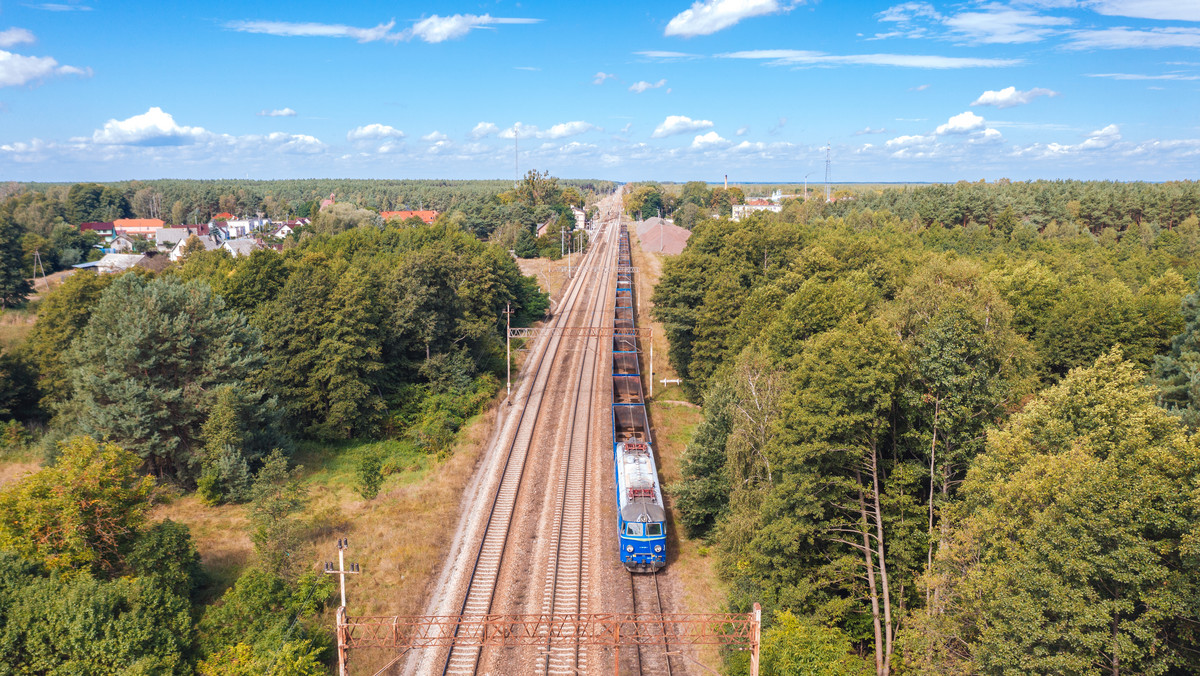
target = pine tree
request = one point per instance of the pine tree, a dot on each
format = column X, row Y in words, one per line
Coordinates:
column 14, row 287
column 226, row 474
column 326, row 352
column 147, row 368
column 62, row 317
column 1177, row 373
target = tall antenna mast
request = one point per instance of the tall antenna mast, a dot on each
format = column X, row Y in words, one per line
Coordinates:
column 516, row 155
column 828, row 165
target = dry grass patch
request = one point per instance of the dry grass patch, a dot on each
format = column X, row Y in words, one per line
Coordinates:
column 15, row 325
column 552, row 280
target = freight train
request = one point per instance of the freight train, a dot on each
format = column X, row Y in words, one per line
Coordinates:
column 641, row 517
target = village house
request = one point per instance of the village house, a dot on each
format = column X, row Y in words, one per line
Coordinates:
column 209, row 240
column 242, row 227
column 144, row 227
column 114, row 263
column 105, row 230
column 241, row 247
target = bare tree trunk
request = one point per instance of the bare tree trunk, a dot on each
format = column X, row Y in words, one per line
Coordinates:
column 1116, row 658
column 937, row 409
column 883, row 574
column 862, row 504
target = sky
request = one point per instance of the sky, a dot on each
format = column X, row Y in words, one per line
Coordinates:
column 754, row 89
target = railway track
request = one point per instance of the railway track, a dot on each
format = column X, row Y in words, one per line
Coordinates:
column 567, row 582
column 489, row 557
column 647, row 599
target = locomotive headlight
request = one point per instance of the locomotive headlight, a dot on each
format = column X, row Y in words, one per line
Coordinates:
column 657, row 548
column 629, row 548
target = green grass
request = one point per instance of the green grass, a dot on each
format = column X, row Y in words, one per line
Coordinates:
column 334, row 465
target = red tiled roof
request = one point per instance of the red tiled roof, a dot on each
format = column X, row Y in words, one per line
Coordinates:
column 758, row 203
column 426, row 216
column 138, row 223
column 224, row 216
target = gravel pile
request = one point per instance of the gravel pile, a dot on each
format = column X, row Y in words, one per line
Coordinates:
column 659, row 236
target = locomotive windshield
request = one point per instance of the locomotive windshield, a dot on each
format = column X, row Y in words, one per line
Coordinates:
column 633, row 528
column 654, row 529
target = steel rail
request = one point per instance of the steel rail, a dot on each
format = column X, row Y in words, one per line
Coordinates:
column 510, row 485
column 575, row 488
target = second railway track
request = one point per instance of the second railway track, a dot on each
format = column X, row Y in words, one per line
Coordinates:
column 568, row 584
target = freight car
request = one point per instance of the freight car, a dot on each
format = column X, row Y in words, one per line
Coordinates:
column 641, row 517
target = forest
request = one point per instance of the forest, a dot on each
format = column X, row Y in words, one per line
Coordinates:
column 950, row 429
column 204, row 379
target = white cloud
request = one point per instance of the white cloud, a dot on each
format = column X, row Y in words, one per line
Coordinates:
column 17, row 69
column 373, row 131
column 742, row 131
column 15, row 36
column 679, row 124
column 988, row 135
column 1168, row 10
column 641, row 86
column 908, row 11
column 601, row 76
column 869, row 130
column 749, row 146
column 961, row 124
column 1127, row 38
column 708, row 140
column 434, row 136
column 909, row 141
column 431, row 29
column 61, row 7
column 1005, row 25
column 706, row 17
column 152, row 128
column 484, row 129
column 1102, row 138
column 278, row 112
column 566, row 129
column 1010, row 96
column 918, row 88
column 1107, row 138
column 796, row 57
column 1140, row 76
column 561, row 130
column 441, row 28
column 299, row 144
column 310, row 29
column 659, row 55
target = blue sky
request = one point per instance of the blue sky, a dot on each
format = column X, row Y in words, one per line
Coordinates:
column 909, row 91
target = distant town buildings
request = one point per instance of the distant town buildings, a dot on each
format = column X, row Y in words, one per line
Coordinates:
column 741, row 211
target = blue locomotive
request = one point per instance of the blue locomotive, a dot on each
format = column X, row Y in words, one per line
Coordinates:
column 641, row 517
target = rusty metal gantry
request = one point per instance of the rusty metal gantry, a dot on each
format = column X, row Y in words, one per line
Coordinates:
column 573, row 332
column 740, row 631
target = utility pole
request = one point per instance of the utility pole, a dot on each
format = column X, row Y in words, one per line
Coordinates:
column 828, row 164
column 806, row 185
column 508, row 352
column 341, row 571
column 37, row 265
